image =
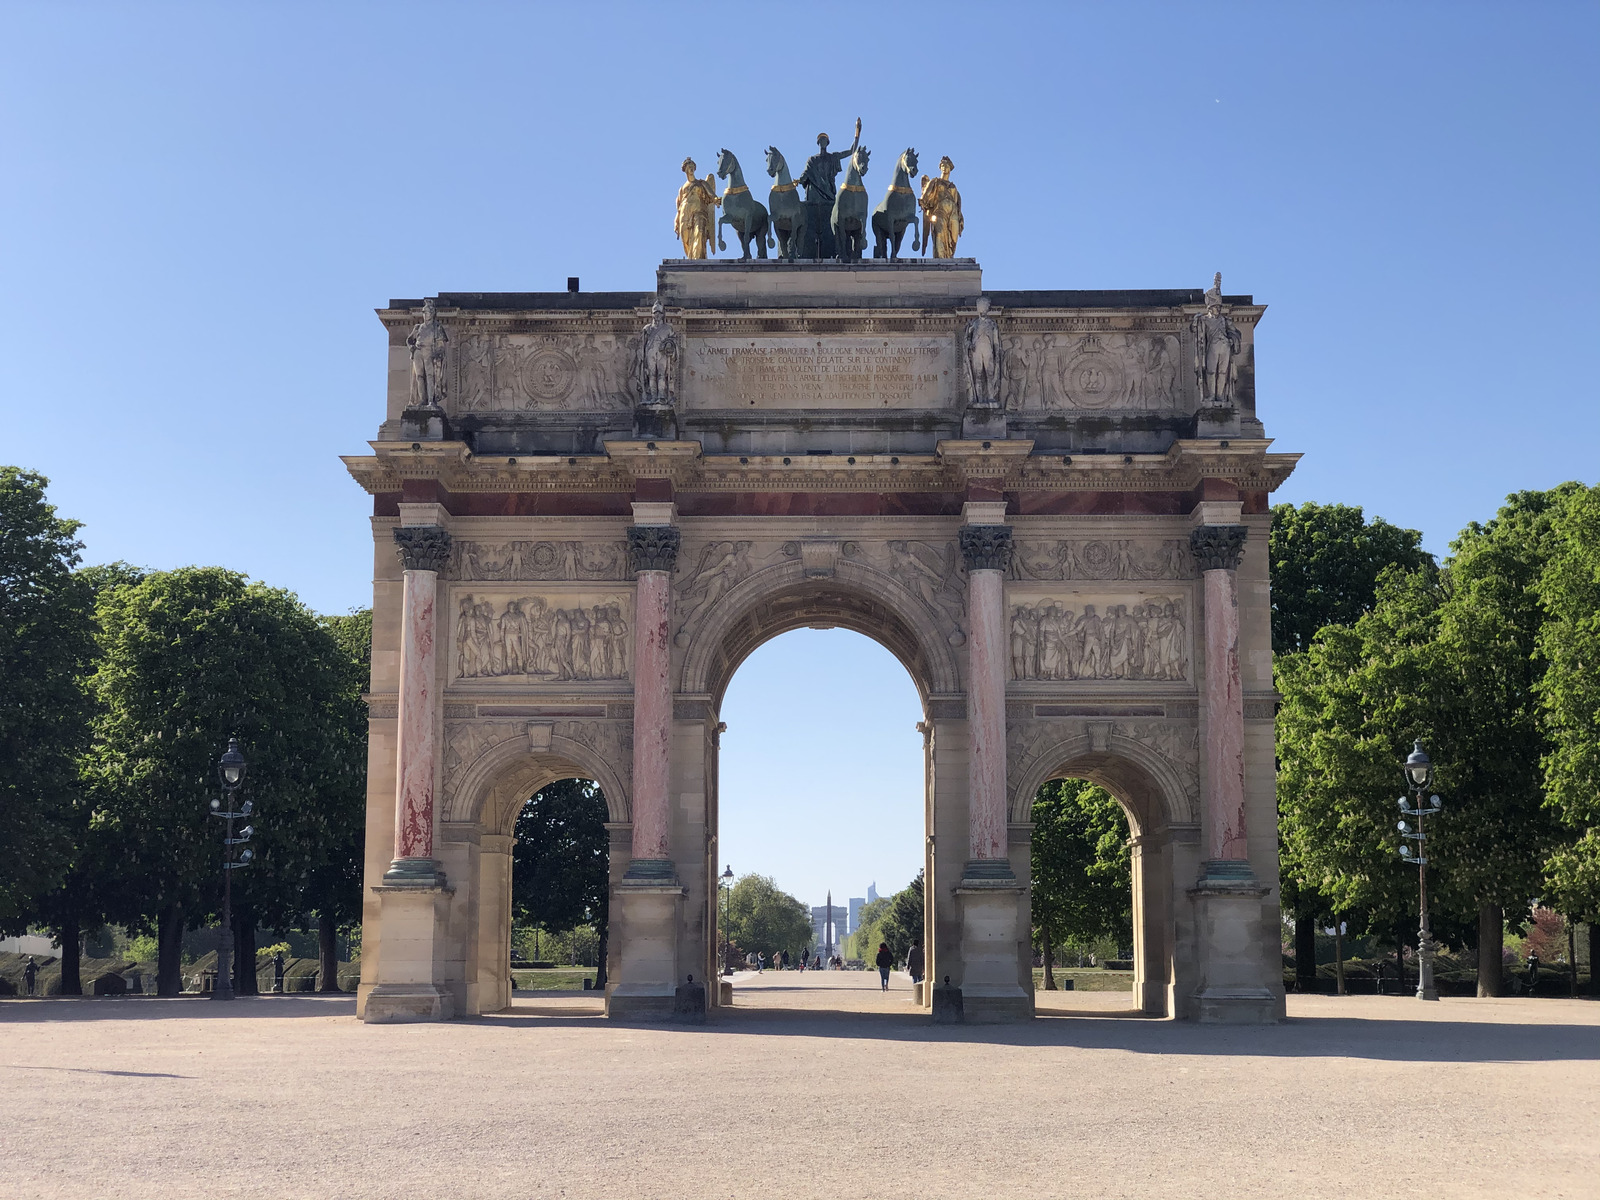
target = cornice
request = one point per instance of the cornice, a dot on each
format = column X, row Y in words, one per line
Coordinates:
column 1008, row 465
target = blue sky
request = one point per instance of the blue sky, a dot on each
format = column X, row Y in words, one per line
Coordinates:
column 205, row 203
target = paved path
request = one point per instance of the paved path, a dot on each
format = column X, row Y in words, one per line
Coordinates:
column 290, row 1097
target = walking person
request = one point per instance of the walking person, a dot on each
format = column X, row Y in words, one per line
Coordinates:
column 761, row 962
column 885, row 960
column 915, row 962
column 30, row 974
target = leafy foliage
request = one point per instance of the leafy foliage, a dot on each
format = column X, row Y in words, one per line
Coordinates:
column 560, row 860
column 1082, row 866
column 1326, row 561
column 1570, row 697
column 763, row 918
column 46, row 646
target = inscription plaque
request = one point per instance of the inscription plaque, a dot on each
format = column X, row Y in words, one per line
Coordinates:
column 810, row 372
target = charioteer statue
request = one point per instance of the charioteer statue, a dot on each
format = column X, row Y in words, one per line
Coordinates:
column 820, row 179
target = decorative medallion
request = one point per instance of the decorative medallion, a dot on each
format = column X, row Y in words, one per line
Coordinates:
column 549, row 374
column 1093, row 378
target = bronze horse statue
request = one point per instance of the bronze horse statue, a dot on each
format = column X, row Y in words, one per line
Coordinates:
column 897, row 210
column 741, row 210
column 788, row 209
column 850, row 210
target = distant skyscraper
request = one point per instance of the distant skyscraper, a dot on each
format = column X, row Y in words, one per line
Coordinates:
column 872, row 892
column 856, row 903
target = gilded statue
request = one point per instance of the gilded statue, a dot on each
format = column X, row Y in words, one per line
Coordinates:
column 428, row 343
column 695, row 224
column 941, row 212
column 1216, row 343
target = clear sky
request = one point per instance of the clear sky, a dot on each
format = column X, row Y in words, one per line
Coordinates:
column 204, row 203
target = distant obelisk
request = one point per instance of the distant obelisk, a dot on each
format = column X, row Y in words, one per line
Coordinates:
column 827, row 932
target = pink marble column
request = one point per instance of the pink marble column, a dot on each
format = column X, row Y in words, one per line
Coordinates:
column 424, row 549
column 1217, row 549
column 654, row 552
column 987, row 549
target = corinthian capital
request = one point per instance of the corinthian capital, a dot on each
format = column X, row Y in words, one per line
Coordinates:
column 1217, row 547
column 986, row 547
column 652, row 547
column 422, row 547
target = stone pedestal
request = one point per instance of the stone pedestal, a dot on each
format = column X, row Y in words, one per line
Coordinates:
column 991, row 941
column 644, row 919
column 1232, row 949
column 414, row 938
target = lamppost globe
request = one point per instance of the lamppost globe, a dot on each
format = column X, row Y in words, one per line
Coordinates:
column 231, row 766
column 1419, row 766
column 727, row 872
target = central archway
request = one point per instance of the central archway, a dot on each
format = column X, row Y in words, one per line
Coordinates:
column 843, row 594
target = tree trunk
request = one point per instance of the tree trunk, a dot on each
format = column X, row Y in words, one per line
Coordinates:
column 600, row 957
column 1594, row 958
column 71, row 938
column 1305, row 952
column 327, row 953
column 1049, row 965
column 169, row 951
column 1491, row 945
column 244, row 952
column 1400, row 966
column 1338, row 953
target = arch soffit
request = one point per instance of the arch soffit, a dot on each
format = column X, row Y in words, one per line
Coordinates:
column 511, row 765
column 1128, row 768
column 901, row 624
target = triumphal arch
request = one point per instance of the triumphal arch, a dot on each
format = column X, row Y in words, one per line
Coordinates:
column 1052, row 506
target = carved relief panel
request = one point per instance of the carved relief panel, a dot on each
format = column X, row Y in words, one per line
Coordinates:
column 1087, row 371
column 512, row 372
column 1103, row 558
column 562, row 637
column 1072, row 635
column 516, row 558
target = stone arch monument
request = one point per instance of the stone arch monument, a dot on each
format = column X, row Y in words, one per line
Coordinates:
column 601, row 503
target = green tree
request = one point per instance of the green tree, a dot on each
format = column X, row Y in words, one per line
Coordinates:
column 1326, row 560
column 560, row 861
column 1570, row 698
column 46, row 647
column 1450, row 657
column 903, row 921
column 333, row 883
column 189, row 658
column 1082, row 868
column 762, row 918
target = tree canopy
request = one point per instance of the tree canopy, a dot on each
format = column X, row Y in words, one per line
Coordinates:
column 560, row 861
column 1082, row 866
column 46, row 647
column 762, row 917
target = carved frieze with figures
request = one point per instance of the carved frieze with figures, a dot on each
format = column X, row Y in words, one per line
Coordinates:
column 517, row 559
column 1087, row 371
column 565, row 637
column 1070, row 637
column 512, row 372
column 1104, row 558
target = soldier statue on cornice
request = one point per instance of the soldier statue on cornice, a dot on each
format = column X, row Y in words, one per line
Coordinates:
column 1216, row 341
column 428, row 343
column 820, row 179
column 658, row 360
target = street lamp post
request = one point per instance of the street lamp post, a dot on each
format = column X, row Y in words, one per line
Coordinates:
column 1419, row 774
column 726, row 879
column 231, row 769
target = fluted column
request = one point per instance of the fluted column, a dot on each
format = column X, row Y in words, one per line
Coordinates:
column 987, row 550
column 652, row 554
column 1217, row 550
column 424, row 549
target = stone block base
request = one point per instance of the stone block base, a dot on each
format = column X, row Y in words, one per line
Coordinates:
column 630, row 1004
column 995, row 1010
column 725, row 993
column 1219, row 1008
column 399, row 1003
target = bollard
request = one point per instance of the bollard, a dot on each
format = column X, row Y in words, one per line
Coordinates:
column 947, row 1004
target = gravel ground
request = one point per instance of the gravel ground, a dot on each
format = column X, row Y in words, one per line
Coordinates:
column 291, row 1096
